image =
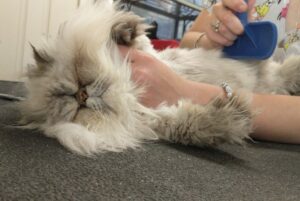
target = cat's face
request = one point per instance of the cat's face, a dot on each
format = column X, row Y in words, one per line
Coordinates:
column 81, row 76
column 79, row 89
column 73, row 89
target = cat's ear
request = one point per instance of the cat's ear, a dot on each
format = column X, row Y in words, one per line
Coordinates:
column 127, row 28
column 41, row 57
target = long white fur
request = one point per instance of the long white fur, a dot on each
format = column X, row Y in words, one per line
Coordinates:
column 86, row 38
column 89, row 32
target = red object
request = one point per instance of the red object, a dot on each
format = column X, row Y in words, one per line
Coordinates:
column 163, row 44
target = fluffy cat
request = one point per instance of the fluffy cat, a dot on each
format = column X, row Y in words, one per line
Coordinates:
column 80, row 91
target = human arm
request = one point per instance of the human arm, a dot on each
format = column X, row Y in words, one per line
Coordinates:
column 278, row 115
column 293, row 16
column 278, row 118
column 230, row 26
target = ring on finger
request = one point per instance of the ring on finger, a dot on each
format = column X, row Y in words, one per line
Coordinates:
column 216, row 26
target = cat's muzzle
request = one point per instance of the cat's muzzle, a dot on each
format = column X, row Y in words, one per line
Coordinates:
column 82, row 96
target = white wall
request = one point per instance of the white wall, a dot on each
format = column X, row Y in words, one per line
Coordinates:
column 24, row 21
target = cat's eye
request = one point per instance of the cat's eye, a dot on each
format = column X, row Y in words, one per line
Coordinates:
column 63, row 90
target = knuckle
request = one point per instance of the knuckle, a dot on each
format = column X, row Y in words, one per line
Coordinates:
column 232, row 23
column 223, row 29
column 226, row 18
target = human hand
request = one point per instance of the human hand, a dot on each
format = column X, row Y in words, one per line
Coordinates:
column 162, row 84
column 222, row 27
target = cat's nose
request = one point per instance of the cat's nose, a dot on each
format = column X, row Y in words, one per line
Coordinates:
column 81, row 96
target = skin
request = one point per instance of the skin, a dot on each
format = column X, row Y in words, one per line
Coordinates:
column 230, row 26
column 278, row 117
column 292, row 19
column 277, row 120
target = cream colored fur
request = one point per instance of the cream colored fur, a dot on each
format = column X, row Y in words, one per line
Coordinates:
column 84, row 61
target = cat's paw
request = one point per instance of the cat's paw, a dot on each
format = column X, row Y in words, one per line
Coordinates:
column 222, row 120
column 76, row 138
column 127, row 29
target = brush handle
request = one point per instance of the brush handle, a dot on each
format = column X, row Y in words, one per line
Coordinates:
column 243, row 17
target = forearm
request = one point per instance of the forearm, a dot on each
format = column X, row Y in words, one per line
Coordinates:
column 277, row 117
column 193, row 39
column 189, row 40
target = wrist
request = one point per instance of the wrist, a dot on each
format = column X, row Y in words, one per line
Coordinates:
column 202, row 40
column 207, row 43
column 202, row 93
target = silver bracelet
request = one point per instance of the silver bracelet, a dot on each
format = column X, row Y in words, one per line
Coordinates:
column 227, row 89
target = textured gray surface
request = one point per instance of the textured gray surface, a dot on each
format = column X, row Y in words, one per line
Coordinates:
column 33, row 167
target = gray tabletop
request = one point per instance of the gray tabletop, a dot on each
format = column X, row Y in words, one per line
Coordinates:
column 33, row 167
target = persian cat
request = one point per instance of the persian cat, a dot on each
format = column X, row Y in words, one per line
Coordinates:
column 80, row 91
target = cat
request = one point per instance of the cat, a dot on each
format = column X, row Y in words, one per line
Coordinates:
column 80, row 91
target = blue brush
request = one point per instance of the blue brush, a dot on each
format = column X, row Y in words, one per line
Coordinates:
column 258, row 41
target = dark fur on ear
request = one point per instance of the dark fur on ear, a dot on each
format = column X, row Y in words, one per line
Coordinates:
column 128, row 28
column 41, row 57
column 43, row 61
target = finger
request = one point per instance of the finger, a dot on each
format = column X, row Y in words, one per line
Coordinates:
column 235, row 5
column 228, row 19
column 217, row 37
column 226, row 33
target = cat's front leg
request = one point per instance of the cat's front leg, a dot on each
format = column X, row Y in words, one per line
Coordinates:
column 222, row 120
column 74, row 137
